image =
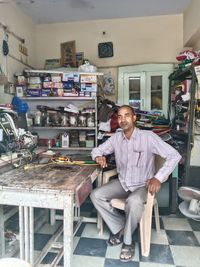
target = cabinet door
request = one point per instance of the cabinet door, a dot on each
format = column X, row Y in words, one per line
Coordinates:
column 157, row 85
column 134, row 88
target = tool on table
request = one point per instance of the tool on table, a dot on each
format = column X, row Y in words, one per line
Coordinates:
column 61, row 160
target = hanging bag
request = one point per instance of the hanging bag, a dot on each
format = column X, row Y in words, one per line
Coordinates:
column 105, row 110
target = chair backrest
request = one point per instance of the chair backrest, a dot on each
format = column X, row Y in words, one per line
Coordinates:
column 158, row 162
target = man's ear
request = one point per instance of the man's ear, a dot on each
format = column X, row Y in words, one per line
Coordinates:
column 134, row 117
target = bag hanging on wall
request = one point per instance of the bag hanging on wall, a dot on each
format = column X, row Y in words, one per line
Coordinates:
column 105, row 110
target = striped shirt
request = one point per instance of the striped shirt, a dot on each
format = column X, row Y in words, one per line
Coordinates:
column 135, row 157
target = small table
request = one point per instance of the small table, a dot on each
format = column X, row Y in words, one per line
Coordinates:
column 51, row 187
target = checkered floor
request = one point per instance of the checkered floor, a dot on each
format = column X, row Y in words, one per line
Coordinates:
column 177, row 244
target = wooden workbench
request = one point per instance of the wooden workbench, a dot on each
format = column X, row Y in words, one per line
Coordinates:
column 52, row 187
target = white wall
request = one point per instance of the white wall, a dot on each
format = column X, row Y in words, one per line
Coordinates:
column 22, row 26
column 136, row 40
column 191, row 25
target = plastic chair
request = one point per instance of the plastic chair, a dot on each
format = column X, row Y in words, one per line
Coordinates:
column 13, row 262
column 146, row 220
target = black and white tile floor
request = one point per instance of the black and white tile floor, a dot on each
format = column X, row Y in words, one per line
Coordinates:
column 177, row 244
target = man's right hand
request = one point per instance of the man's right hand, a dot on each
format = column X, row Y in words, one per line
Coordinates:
column 101, row 161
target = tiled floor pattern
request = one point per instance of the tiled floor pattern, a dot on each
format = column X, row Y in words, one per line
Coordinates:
column 177, row 244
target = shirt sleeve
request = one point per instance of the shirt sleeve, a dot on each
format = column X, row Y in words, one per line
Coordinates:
column 104, row 149
column 166, row 151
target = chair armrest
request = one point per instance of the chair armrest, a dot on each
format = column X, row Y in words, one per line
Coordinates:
column 150, row 201
column 107, row 175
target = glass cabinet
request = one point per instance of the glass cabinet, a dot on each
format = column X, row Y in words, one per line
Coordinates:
column 145, row 86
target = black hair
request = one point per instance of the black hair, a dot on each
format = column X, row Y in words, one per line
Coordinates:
column 129, row 107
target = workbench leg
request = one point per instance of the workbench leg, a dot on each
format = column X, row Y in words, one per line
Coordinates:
column 31, row 234
column 2, row 232
column 21, row 232
column 26, row 227
column 68, row 215
column 52, row 216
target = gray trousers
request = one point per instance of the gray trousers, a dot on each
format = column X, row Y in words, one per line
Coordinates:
column 114, row 219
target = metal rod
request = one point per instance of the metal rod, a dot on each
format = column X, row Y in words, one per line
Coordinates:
column 190, row 128
column 17, row 59
column 6, row 30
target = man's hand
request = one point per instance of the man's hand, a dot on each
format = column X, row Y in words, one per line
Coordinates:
column 153, row 185
column 101, row 161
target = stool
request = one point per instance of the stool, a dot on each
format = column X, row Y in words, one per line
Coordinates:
column 13, row 262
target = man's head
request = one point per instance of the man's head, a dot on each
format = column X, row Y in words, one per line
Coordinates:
column 126, row 118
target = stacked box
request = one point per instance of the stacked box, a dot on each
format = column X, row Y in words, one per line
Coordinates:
column 70, row 77
column 88, row 82
column 88, row 78
column 89, row 87
column 33, row 92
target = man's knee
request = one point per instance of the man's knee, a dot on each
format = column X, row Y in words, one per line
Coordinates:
column 94, row 195
column 134, row 204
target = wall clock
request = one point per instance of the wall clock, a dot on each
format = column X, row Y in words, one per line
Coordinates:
column 105, row 49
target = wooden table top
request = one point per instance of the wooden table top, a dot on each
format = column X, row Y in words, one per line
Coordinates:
column 54, row 178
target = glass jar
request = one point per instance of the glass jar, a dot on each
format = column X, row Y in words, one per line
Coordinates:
column 90, row 120
column 82, row 120
column 64, row 120
column 73, row 120
column 38, row 118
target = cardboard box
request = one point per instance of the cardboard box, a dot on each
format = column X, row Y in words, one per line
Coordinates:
column 33, row 92
column 70, row 77
column 90, row 87
column 34, row 86
column 46, row 92
column 88, row 78
column 56, row 78
column 47, row 84
column 57, row 85
column 35, row 79
column 65, row 140
column 19, row 91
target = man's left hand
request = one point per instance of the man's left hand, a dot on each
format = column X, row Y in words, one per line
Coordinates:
column 153, row 185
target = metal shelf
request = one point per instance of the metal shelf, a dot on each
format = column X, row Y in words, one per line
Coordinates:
column 62, row 128
column 61, row 71
column 62, row 98
column 71, row 148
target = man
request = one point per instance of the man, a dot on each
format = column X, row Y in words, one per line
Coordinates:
column 134, row 151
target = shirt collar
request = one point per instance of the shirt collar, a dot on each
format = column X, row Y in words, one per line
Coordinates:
column 134, row 134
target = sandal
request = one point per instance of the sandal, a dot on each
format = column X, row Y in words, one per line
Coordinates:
column 127, row 252
column 115, row 240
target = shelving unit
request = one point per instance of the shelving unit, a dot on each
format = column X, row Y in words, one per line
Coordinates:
column 190, row 172
column 50, row 132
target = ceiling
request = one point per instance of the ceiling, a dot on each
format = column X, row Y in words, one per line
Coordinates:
column 53, row 11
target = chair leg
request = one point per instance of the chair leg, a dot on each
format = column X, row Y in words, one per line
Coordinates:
column 145, row 227
column 100, row 224
column 156, row 214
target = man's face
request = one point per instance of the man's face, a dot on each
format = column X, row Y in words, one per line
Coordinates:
column 126, row 119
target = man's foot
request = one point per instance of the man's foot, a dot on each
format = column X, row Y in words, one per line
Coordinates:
column 127, row 252
column 116, row 239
